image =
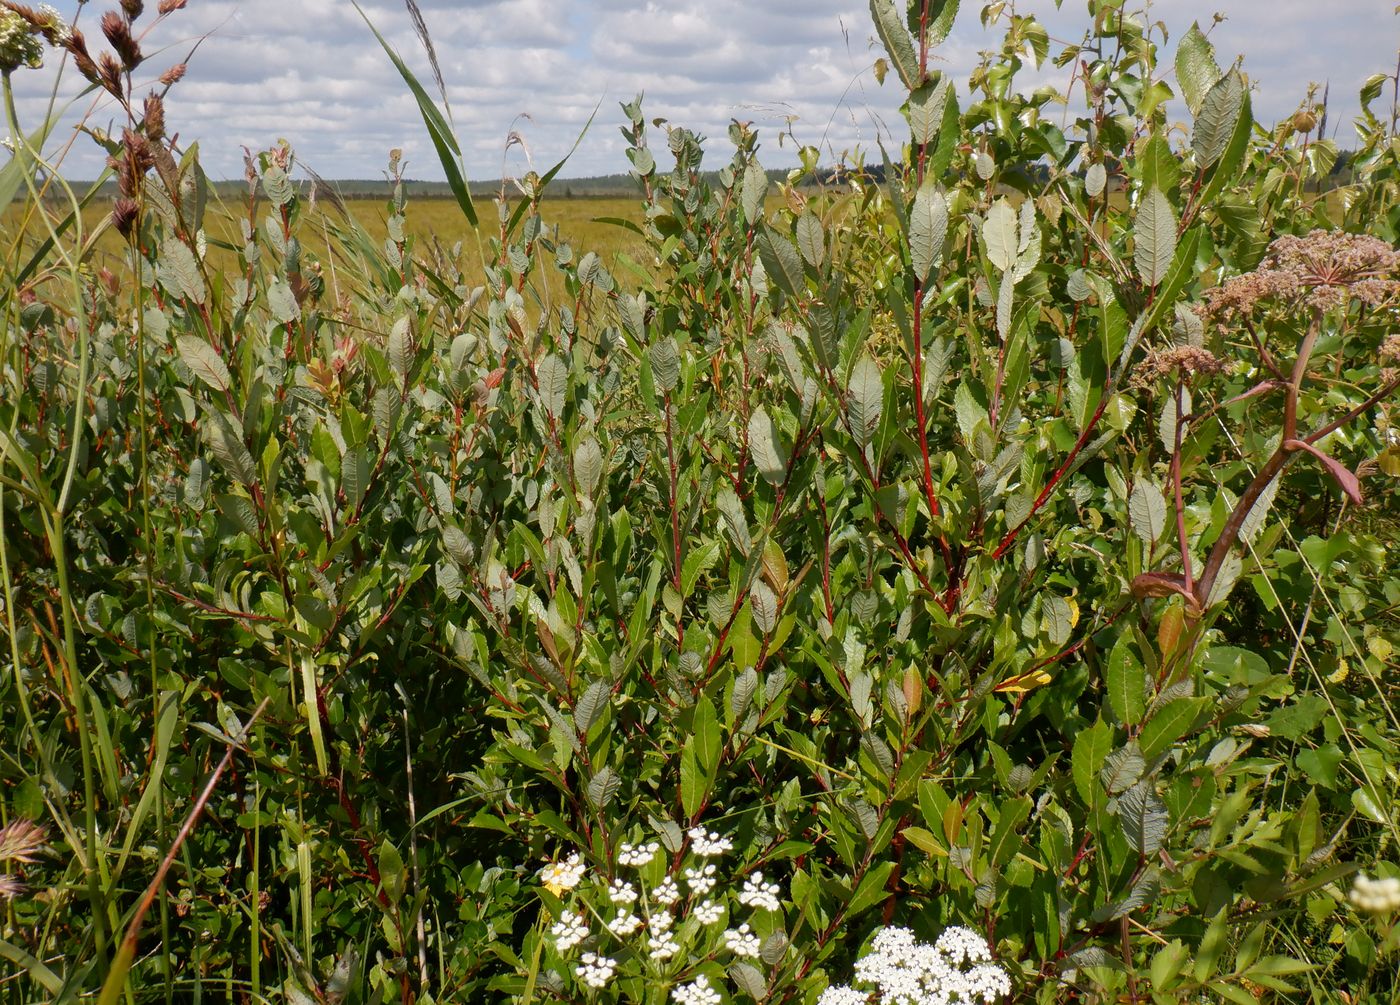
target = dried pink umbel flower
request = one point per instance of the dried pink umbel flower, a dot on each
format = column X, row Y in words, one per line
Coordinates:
column 1323, row 270
column 22, row 841
column 1185, row 359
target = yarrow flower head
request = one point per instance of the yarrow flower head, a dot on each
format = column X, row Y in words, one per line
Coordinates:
column 697, row 992
column 58, row 29
column 904, row 971
column 637, row 855
column 709, row 845
column 1375, row 896
column 595, row 970
column 559, row 876
column 757, row 893
column 568, row 932
column 19, row 45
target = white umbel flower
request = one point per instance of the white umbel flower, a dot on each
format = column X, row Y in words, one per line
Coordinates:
column 708, row 845
column 741, row 941
column 701, row 879
column 956, row 968
column 624, row 924
column 667, row 892
column 663, row 946
column 595, row 970
column 568, row 932
column 565, row 875
column 622, row 892
column 758, row 894
column 697, row 992
column 1375, row 896
column 637, row 855
column 839, row 994
column 709, row 912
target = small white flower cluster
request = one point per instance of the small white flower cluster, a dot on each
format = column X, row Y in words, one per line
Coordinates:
column 1375, row 896
column 741, row 941
column 563, row 875
column 709, row 845
column 701, row 880
column 637, row 855
column 757, row 893
column 62, row 30
column 650, row 909
column 955, row 969
column 697, row 992
column 568, row 932
column 595, row 970
column 622, row 892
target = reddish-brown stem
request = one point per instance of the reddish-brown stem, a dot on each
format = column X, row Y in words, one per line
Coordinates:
column 1176, row 484
column 1040, row 500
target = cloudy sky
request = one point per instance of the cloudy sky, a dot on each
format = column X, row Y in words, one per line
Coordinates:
column 310, row 71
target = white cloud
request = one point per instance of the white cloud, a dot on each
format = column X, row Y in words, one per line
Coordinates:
column 310, row 71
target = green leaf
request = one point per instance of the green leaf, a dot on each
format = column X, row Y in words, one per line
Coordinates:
column 1220, row 111
column 588, row 465
column 895, row 37
column 180, row 270
column 770, row 457
column 203, row 361
column 444, row 142
column 1148, row 511
column 811, row 239
column 401, row 347
column 871, row 889
column 1158, row 167
column 665, row 360
column 391, row 874
column 602, row 787
column 591, row 704
column 1091, row 749
column 1168, row 418
column 1154, row 237
column 354, row 477
column 1170, row 723
column 999, row 234
column 228, row 448
column 282, row 303
column 552, row 376
column 1144, row 818
column 753, row 190
column 1196, row 69
column 926, row 109
column 928, row 228
column 781, row 261
column 970, row 412
column 865, row 399
column 1095, row 179
column 1127, row 685
column 700, row 757
column 1230, row 161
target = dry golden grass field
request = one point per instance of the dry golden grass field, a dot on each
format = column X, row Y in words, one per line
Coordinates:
column 580, row 222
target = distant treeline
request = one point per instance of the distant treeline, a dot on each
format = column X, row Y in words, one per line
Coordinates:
column 599, row 186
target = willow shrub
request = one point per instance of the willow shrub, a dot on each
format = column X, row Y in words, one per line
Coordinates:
column 996, row 539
